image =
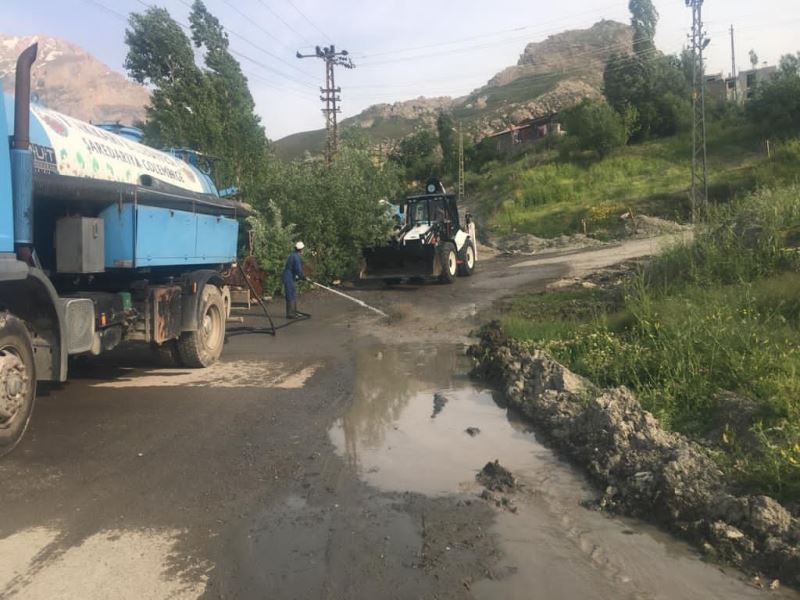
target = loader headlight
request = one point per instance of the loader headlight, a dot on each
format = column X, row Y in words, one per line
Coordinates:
column 431, row 188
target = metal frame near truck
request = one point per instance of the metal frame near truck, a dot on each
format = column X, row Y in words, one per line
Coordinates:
column 102, row 241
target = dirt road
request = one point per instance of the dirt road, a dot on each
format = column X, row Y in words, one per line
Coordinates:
column 329, row 462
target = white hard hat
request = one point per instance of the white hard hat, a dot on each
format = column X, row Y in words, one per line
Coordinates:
column 299, row 246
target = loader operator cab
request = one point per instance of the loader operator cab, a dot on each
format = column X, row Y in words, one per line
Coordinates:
column 438, row 211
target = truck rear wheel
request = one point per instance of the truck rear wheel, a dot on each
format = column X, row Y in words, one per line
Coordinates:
column 448, row 259
column 203, row 347
column 17, row 381
column 467, row 260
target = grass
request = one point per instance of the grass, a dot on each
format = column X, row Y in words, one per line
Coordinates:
column 542, row 195
column 705, row 322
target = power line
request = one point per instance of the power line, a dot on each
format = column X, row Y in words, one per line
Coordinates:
column 287, row 25
column 108, row 9
column 186, row 27
column 271, row 69
column 370, row 54
column 309, row 21
column 254, row 22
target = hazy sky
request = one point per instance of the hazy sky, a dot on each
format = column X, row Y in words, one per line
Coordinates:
column 403, row 48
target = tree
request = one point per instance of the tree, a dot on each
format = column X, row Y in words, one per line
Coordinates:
column 417, row 155
column 207, row 109
column 753, row 58
column 594, row 126
column 160, row 56
column 646, row 82
column 656, row 88
column 340, row 212
column 644, row 19
column 244, row 143
column 775, row 106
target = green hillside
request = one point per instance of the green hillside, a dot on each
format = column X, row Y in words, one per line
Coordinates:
column 549, row 76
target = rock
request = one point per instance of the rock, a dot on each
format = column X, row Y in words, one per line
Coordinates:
column 768, row 517
column 472, row 431
column 496, row 478
column 439, row 400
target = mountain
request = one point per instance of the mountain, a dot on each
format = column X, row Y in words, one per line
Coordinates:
column 549, row 76
column 68, row 79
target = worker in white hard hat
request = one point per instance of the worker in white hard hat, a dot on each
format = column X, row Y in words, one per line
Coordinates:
column 292, row 271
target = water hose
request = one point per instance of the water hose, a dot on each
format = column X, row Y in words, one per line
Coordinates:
column 356, row 300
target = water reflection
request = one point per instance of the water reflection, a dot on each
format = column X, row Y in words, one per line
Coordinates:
column 406, row 427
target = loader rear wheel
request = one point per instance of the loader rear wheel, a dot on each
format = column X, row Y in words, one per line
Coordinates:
column 203, row 347
column 17, row 381
column 467, row 260
column 448, row 259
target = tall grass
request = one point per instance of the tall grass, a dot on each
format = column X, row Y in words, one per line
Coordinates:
column 544, row 195
column 716, row 317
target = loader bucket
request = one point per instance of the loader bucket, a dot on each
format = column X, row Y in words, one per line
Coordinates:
column 401, row 261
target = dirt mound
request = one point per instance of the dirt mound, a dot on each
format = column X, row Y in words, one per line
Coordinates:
column 524, row 243
column 496, row 478
column 643, row 226
column 642, row 469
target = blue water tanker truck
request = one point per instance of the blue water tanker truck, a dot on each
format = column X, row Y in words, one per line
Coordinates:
column 103, row 240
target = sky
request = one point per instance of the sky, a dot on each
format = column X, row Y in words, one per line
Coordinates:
column 402, row 49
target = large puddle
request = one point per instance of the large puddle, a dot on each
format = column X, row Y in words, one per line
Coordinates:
column 407, row 427
column 406, row 430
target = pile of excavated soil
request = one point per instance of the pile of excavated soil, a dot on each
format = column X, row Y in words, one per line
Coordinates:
column 643, row 226
column 643, row 470
column 524, row 243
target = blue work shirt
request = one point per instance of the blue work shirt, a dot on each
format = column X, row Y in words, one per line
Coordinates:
column 294, row 268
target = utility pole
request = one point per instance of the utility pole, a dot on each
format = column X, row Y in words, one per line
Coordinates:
column 733, row 67
column 330, row 93
column 699, row 43
column 460, row 162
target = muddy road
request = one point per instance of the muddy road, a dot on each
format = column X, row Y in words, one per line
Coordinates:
column 330, row 462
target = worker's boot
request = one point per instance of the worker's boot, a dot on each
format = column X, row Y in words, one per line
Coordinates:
column 291, row 310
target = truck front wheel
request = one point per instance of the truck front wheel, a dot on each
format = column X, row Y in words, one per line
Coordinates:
column 17, row 381
column 202, row 348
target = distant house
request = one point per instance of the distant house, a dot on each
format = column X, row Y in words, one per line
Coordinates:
column 518, row 138
column 739, row 88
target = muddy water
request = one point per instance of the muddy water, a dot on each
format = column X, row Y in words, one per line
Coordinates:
column 406, row 431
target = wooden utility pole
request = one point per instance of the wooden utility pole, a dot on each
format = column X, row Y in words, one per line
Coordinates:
column 330, row 93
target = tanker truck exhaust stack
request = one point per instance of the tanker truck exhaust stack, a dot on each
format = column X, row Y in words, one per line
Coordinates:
column 21, row 156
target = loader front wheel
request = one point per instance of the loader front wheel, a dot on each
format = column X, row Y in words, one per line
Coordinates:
column 448, row 259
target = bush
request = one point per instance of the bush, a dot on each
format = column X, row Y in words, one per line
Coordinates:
column 272, row 241
column 335, row 209
column 595, row 127
column 775, row 107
